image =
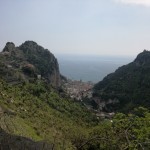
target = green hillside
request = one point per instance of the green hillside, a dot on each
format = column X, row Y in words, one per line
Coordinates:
column 128, row 87
column 36, row 113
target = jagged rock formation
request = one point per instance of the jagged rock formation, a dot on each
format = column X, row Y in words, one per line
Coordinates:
column 28, row 62
column 127, row 87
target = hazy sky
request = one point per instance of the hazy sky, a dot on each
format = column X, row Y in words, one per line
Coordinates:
column 101, row 27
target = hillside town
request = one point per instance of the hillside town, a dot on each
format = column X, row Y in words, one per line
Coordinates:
column 78, row 89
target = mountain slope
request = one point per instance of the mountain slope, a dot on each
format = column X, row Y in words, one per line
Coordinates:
column 31, row 104
column 33, row 110
column 38, row 112
column 127, row 87
column 27, row 62
column 27, row 117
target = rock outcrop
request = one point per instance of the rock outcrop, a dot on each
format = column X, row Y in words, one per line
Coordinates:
column 27, row 62
column 13, row 142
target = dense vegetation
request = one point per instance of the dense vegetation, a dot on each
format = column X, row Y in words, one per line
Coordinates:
column 38, row 112
column 129, row 85
column 34, row 110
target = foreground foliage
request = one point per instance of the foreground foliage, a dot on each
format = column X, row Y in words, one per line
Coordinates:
column 123, row 132
column 37, row 111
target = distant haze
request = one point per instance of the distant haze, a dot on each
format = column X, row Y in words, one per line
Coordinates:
column 90, row 68
column 98, row 27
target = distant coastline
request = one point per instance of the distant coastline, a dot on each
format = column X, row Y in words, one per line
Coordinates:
column 90, row 68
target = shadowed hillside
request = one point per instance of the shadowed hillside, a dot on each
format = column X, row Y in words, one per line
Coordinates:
column 127, row 87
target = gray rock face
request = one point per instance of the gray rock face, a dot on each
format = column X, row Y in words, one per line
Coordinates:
column 143, row 58
column 44, row 61
column 29, row 54
column 9, row 47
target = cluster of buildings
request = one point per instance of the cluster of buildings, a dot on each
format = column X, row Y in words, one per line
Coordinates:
column 78, row 89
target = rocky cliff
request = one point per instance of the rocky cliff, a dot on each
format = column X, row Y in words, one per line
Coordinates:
column 27, row 62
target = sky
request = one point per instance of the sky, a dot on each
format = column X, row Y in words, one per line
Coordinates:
column 86, row 27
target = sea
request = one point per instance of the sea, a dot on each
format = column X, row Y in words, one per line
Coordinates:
column 88, row 67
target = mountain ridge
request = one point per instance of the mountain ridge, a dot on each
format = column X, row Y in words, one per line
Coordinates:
column 127, row 87
column 29, row 61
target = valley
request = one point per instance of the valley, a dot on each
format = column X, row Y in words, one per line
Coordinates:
column 78, row 90
column 74, row 75
column 44, row 110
